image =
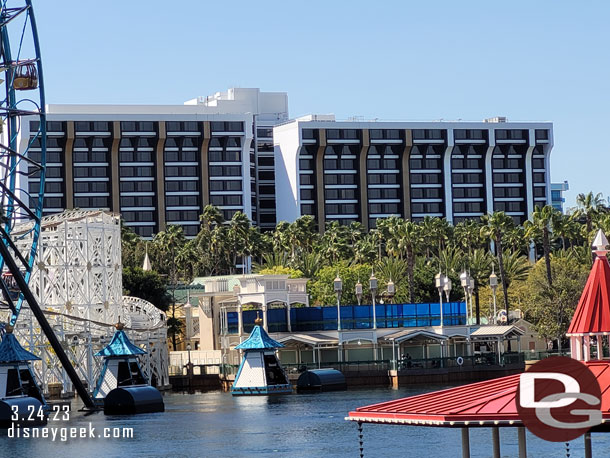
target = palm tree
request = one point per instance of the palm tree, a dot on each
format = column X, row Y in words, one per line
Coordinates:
column 239, row 233
column 495, row 227
column 479, row 265
column 589, row 206
column 410, row 239
column 539, row 229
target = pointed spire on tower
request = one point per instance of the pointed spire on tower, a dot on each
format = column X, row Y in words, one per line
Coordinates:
column 146, row 265
column 600, row 243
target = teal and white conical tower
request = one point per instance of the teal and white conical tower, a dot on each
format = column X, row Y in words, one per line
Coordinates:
column 260, row 371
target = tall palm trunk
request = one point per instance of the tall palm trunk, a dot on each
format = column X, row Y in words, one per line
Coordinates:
column 502, row 275
column 410, row 272
column 547, row 254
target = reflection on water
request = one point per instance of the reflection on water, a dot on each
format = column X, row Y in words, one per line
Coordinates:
column 309, row 425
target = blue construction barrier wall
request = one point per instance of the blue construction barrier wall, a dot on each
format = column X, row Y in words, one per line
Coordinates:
column 355, row 317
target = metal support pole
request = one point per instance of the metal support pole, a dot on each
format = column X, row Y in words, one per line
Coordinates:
column 374, row 314
column 495, row 439
column 46, row 327
column 588, row 451
column 522, row 443
column 465, row 442
column 440, row 299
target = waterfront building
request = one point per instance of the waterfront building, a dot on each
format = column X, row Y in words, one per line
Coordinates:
column 557, row 199
column 158, row 165
column 361, row 171
column 228, row 306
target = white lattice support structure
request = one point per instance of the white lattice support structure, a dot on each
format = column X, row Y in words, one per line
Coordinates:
column 78, row 282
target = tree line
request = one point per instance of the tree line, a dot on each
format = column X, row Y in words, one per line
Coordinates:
column 541, row 265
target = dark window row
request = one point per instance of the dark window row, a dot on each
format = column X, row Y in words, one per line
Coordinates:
column 52, row 126
column 90, row 156
column 138, row 126
column 343, row 134
column 384, row 208
column 227, row 126
column 229, row 200
column 428, row 207
column 225, row 170
column 499, row 163
column 512, row 134
column 340, row 193
column 181, row 126
column 184, row 171
column 468, row 207
column 140, row 201
column 429, row 134
column 341, row 209
column 266, row 132
column 52, row 156
column 49, row 186
column 228, row 185
column 138, row 216
column 469, row 134
column 307, row 178
column 92, row 126
column 268, row 175
column 91, row 202
column 390, row 134
column 509, row 206
column 266, row 162
column 507, row 178
column 346, row 178
column 91, row 186
column 426, row 178
column 137, row 171
column 508, row 192
column 383, row 193
column 467, row 163
column 225, row 142
column 377, row 164
column 468, row 178
column 91, row 142
column 180, row 156
column 307, row 209
column 339, row 164
column 540, row 191
column 137, row 142
column 136, row 186
column 473, row 193
column 182, row 215
column 224, row 156
column 181, row 186
column 383, row 178
column 425, row 163
column 426, row 193
column 84, row 172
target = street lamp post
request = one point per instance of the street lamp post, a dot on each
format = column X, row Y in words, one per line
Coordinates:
column 189, row 369
column 359, row 292
column 391, row 291
column 338, row 284
column 439, row 280
column 373, row 287
column 464, row 283
column 493, row 283
column 470, row 290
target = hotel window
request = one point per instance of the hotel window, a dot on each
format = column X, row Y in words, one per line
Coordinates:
column 308, row 134
column 181, row 186
column 542, row 134
column 540, row 191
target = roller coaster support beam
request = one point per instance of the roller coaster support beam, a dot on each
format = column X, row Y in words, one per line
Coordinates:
column 46, row 328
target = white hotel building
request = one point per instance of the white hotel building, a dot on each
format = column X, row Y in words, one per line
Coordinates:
column 238, row 150
column 360, row 171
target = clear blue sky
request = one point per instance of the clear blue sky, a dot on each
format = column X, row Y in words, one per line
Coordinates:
column 406, row 60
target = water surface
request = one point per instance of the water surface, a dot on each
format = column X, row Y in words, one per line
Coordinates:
column 216, row 424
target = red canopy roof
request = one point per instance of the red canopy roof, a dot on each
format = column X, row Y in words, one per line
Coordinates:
column 592, row 314
column 476, row 404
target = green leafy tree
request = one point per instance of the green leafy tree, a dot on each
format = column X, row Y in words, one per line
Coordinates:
column 147, row 285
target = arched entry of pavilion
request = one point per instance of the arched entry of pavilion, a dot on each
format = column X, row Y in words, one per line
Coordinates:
column 415, row 343
column 316, row 342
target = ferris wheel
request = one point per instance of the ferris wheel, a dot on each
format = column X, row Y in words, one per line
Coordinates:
column 22, row 148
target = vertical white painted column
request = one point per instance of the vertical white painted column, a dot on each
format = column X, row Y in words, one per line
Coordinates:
column 587, row 349
column 265, row 317
column 600, row 346
column 529, row 182
column 447, row 173
column 240, row 321
column 288, row 322
column 578, row 348
column 489, row 188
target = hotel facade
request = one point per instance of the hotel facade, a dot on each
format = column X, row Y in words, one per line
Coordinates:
column 238, row 150
column 361, row 171
column 161, row 165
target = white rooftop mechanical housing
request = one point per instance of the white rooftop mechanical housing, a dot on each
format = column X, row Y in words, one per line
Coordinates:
column 77, row 280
